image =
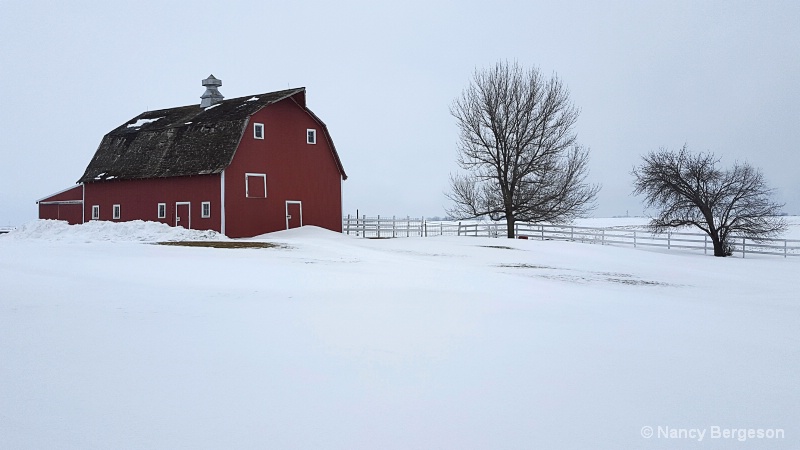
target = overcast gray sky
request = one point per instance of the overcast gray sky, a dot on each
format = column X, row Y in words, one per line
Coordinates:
column 719, row 76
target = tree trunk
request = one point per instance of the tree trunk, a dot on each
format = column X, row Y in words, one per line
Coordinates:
column 719, row 248
column 510, row 221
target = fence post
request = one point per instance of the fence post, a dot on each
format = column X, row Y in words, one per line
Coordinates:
column 785, row 248
column 743, row 250
column 603, row 237
column 348, row 224
column 634, row 238
column 669, row 238
column 379, row 225
column 425, row 225
column 705, row 245
column 364, row 225
column 541, row 229
column 394, row 229
column 441, row 228
column 572, row 234
column 408, row 225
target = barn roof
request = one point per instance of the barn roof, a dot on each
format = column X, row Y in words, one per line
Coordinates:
column 188, row 140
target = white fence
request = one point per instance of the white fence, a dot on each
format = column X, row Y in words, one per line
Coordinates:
column 393, row 227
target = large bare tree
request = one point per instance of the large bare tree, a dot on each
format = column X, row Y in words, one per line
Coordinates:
column 519, row 150
column 690, row 190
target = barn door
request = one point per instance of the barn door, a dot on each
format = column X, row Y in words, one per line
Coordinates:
column 183, row 215
column 294, row 214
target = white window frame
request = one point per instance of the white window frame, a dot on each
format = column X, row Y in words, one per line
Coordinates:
column 162, row 213
column 311, row 136
column 95, row 212
column 116, row 212
column 247, row 184
column 188, row 218
column 294, row 202
column 205, row 210
column 256, row 128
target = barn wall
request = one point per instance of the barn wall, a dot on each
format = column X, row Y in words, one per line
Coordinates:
column 72, row 194
column 71, row 212
column 139, row 199
column 53, row 207
column 295, row 171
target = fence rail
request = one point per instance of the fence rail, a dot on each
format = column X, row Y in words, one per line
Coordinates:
column 395, row 227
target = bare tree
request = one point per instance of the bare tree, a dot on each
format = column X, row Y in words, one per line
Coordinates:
column 689, row 190
column 519, row 150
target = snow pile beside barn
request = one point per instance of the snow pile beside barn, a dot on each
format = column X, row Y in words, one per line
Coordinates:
column 97, row 231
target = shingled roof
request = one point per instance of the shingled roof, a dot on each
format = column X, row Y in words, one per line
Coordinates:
column 188, row 140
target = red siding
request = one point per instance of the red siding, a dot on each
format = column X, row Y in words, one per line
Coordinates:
column 296, row 171
column 72, row 213
column 139, row 199
column 63, row 206
column 73, row 193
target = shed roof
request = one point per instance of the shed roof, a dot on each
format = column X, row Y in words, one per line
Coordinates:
column 188, row 140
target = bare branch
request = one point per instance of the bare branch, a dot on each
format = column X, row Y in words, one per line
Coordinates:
column 518, row 146
column 689, row 190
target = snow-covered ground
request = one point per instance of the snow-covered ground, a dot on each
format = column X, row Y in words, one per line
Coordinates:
column 335, row 342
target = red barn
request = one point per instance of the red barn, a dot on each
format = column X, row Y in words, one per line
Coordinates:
column 242, row 166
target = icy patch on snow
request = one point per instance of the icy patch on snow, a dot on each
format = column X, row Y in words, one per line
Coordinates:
column 100, row 230
column 141, row 122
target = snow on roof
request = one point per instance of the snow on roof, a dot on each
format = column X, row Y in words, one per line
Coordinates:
column 252, row 99
column 212, row 106
column 206, row 145
column 141, row 122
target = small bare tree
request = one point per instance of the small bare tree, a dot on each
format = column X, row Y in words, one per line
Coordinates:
column 519, row 150
column 689, row 190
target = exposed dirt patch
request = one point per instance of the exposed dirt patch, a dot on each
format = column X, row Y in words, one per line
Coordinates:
column 614, row 274
column 635, row 282
column 526, row 266
column 578, row 276
column 501, row 247
column 222, row 244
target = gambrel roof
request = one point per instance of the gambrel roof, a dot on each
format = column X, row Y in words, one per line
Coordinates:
column 188, row 140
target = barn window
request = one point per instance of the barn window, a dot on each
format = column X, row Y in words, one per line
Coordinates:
column 258, row 130
column 162, row 210
column 255, row 185
column 95, row 212
column 205, row 210
column 311, row 136
column 115, row 212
